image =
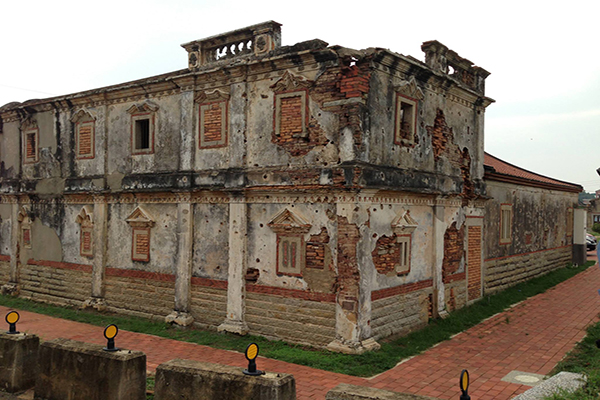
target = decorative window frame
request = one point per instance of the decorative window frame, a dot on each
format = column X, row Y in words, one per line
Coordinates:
column 205, row 101
column 404, row 226
column 86, row 222
column 29, row 128
column 290, row 229
column 83, row 119
column 408, row 94
column 506, row 239
column 289, row 86
column 143, row 111
column 25, row 222
column 141, row 223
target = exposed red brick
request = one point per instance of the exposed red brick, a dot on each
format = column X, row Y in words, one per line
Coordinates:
column 134, row 273
column 474, row 262
column 347, row 281
column 386, row 254
column 207, row 282
column 4, row 257
column 402, row 289
column 293, row 293
column 315, row 250
column 212, row 123
column 454, row 248
column 85, row 132
column 61, row 265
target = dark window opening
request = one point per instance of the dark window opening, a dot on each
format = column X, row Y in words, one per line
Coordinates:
column 142, row 134
column 406, row 119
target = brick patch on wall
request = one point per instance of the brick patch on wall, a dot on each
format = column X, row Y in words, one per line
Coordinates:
column 474, row 262
column 291, row 293
column 134, row 273
column 60, row 264
column 402, row 289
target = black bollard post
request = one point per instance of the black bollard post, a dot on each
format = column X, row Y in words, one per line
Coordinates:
column 12, row 318
column 251, row 354
column 109, row 333
column 464, row 385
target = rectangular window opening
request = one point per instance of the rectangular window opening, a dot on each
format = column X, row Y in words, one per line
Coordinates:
column 142, row 134
column 406, row 120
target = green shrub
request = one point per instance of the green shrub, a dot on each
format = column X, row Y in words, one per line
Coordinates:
column 596, row 227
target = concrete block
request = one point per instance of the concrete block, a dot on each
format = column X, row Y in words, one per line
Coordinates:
column 74, row 370
column 187, row 380
column 18, row 361
column 343, row 391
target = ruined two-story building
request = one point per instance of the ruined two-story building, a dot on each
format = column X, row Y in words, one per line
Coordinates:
column 312, row 193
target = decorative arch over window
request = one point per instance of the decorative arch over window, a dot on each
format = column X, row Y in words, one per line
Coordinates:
column 408, row 95
column 140, row 222
column 25, row 223
column 86, row 240
column 213, row 118
column 85, row 135
column 143, row 123
column 291, row 254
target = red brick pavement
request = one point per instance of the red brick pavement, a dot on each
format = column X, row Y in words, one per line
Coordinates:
column 530, row 337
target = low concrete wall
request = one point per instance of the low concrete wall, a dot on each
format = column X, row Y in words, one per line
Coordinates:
column 500, row 273
column 343, row 391
column 293, row 319
column 18, row 361
column 81, row 371
column 187, row 379
column 399, row 314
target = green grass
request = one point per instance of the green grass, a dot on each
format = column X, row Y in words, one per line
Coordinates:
column 583, row 359
column 367, row 364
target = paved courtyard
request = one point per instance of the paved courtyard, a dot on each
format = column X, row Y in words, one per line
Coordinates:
column 531, row 337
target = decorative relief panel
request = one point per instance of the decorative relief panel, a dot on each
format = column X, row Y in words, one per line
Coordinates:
column 291, row 252
column 85, row 220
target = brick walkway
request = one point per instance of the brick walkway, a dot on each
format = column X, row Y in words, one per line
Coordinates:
column 530, row 337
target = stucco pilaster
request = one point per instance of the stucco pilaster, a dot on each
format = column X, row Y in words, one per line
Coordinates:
column 183, row 273
column 99, row 233
column 236, row 288
column 15, row 254
column 353, row 308
column 439, row 228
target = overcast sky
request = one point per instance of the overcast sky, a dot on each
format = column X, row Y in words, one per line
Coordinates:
column 543, row 56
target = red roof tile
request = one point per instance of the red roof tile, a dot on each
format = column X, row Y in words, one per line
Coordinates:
column 502, row 168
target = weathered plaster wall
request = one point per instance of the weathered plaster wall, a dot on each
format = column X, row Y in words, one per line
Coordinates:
column 262, row 245
column 163, row 241
column 88, row 167
column 459, row 126
column 5, row 227
column 10, row 141
column 539, row 219
column 211, row 241
column 318, row 149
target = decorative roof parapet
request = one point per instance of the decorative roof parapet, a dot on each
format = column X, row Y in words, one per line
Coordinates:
column 253, row 40
column 441, row 59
